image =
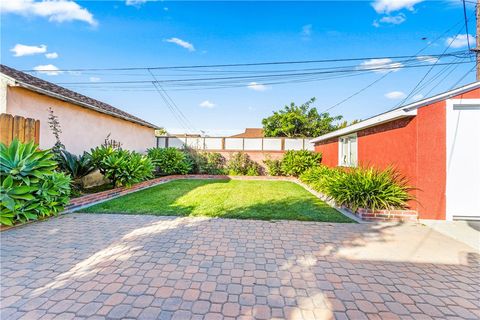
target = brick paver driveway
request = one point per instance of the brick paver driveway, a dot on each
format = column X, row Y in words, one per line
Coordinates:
column 120, row 266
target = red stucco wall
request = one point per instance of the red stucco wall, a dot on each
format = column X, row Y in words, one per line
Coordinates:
column 431, row 161
column 391, row 144
column 394, row 144
column 329, row 151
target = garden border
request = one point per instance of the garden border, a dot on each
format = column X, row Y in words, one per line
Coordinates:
column 361, row 216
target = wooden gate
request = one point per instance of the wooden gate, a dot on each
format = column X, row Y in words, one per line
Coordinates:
column 24, row 129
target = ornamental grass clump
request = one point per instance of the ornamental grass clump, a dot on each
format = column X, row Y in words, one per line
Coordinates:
column 319, row 176
column 369, row 188
column 30, row 186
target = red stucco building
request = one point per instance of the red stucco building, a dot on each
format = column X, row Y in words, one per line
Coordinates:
column 434, row 142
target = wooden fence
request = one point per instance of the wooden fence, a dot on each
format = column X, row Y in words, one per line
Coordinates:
column 24, row 129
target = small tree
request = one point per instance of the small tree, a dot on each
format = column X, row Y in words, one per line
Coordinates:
column 56, row 129
column 299, row 121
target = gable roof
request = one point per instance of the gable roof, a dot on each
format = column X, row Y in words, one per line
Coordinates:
column 408, row 110
column 250, row 133
column 32, row 83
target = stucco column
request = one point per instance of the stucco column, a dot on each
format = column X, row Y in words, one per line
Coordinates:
column 4, row 82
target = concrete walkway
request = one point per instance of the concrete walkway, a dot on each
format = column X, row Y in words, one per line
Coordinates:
column 145, row 267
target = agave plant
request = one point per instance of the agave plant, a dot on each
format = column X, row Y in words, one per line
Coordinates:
column 17, row 201
column 23, row 161
column 76, row 166
column 30, row 187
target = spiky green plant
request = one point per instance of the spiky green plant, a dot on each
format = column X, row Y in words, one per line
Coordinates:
column 369, row 188
column 30, row 188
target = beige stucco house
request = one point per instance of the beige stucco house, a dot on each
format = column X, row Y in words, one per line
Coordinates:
column 85, row 122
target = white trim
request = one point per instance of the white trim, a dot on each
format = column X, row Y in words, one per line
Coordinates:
column 382, row 118
column 349, row 146
column 450, row 109
column 408, row 110
column 5, row 81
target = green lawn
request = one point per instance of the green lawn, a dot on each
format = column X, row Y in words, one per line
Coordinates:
column 264, row 200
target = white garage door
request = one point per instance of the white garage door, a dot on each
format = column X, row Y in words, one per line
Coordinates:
column 463, row 159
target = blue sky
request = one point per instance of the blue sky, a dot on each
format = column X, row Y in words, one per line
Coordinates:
column 112, row 34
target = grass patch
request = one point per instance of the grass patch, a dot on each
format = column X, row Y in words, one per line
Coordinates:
column 264, row 200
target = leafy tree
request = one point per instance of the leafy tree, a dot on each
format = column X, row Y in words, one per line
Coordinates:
column 299, row 121
column 345, row 123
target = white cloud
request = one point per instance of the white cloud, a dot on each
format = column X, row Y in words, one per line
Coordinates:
column 21, row 50
column 182, row 43
column 395, row 95
column 135, row 2
column 398, row 19
column 307, row 30
column 207, row 104
column 58, row 11
column 387, row 6
column 380, row 65
column 257, row 86
column 51, row 55
column 48, row 69
column 428, row 59
column 94, row 79
column 460, row 41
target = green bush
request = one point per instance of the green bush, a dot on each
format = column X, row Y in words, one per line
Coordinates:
column 30, row 187
column 169, row 161
column 212, row 163
column 122, row 167
column 294, row 163
column 76, row 166
column 274, row 167
column 240, row 164
column 369, row 188
column 205, row 162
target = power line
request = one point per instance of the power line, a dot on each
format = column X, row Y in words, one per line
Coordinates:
column 428, row 71
column 237, row 64
column 381, row 78
column 388, row 66
column 466, row 24
column 171, row 104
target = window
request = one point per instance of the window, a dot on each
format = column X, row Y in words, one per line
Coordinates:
column 347, row 153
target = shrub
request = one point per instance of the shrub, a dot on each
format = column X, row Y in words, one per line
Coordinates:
column 30, row 186
column 76, row 166
column 295, row 163
column 241, row 164
column 205, row 162
column 369, row 188
column 212, row 163
column 274, row 167
column 122, row 167
column 169, row 161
